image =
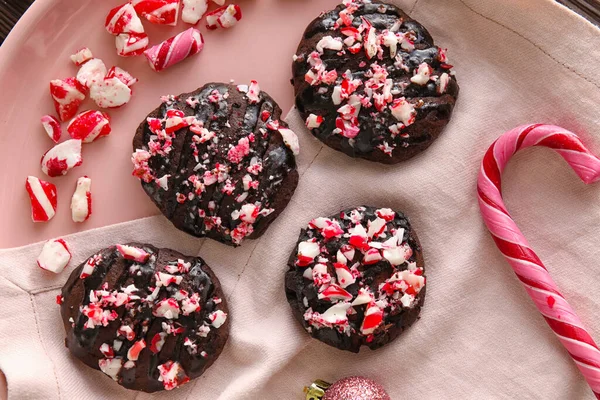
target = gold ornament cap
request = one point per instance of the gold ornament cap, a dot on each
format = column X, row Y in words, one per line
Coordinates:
column 316, row 390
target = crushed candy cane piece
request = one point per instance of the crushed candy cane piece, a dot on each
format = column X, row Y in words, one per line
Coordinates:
column 43, row 197
column 67, row 94
column 91, row 73
column 172, row 375
column 123, row 19
column 52, row 127
column 111, row 367
column 131, row 44
column 110, row 93
column 403, row 111
column 122, row 75
column 372, row 320
column 89, row 125
column 55, row 256
column 290, row 139
column 217, row 318
column 133, row 253
column 161, row 12
column 224, row 17
column 193, row 11
column 82, row 56
column 253, row 92
column 81, row 202
column 314, row 121
column 62, row 158
column 422, row 74
column 134, row 351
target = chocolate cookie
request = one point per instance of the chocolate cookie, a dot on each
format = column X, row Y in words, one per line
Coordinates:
column 149, row 318
column 371, row 83
column 357, row 278
column 218, row 162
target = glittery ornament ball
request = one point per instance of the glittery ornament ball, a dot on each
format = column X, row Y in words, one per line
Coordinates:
column 356, row 388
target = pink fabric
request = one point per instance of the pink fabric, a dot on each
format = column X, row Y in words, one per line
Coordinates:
column 561, row 317
column 479, row 335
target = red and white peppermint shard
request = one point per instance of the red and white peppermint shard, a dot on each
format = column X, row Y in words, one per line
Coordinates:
column 91, row 72
column 110, row 93
column 133, row 253
column 89, row 125
column 290, row 139
column 55, row 256
column 175, row 49
column 52, row 127
column 131, row 44
column 224, row 17
column 67, row 94
column 122, row 75
column 43, row 199
column 530, row 270
column 162, row 12
column 81, row 202
column 172, row 375
column 193, row 10
column 123, row 19
column 82, row 56
column 62, row 158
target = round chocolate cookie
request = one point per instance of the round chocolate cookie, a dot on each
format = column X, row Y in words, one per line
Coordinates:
column 357, row 278
column 149, row 318
column 218, row 162
column 371, row 83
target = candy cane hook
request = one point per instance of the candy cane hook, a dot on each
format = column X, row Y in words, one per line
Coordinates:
column 530, row 270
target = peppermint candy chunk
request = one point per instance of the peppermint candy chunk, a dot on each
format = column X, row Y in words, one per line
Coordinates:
column 67, row 94
column 123, row 19
column 110, row 93
column 89, row 125
column 175, row 49
column 55, row 256
column 52, row 127
column 161, row 12
column 313, row 121
column 131, row 44
column 224, row 17
column 43, row 197
column 82, row 56
column 372, row 320
column 133, row 253
column 81, row 202
column 122, row 75
column 91, row 73
column 62, row 158
column 290, row 139
column 193, row 10
column 172, row 375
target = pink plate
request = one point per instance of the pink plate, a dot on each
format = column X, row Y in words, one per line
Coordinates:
column 260, row 47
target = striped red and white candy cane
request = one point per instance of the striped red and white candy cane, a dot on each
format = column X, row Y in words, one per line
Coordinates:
column 530, row 270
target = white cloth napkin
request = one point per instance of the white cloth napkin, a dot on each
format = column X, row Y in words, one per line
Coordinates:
column 479, row 336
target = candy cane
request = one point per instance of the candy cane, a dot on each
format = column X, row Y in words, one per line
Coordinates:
column 510, row 241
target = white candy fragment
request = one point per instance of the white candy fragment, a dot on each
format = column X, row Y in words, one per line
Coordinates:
column 55, row 256
column 81, row 202
column 110, row 93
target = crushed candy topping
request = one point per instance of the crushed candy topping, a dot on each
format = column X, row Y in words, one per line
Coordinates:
column 146, row 291
column 224, row 160
column 362, row 268
column 397, row 77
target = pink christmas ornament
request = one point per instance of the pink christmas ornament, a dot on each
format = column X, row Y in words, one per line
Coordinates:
column 350, row 388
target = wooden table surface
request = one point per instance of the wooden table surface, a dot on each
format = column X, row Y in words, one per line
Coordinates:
column 11, row 11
